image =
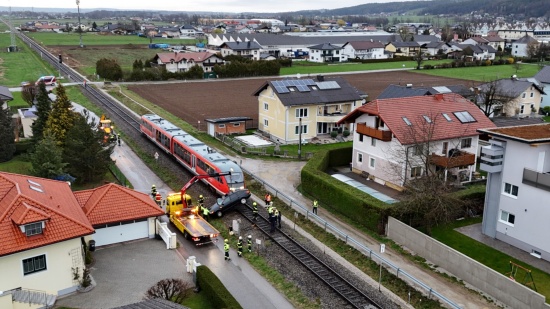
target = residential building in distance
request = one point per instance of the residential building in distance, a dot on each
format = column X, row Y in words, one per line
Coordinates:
column 522, row 97
column 364, row 50
column 182, row 62
column 314, row 104
column 520, row 46
column 393, row 143
column 517, row 163
column 245, row 49
column 543, row 77
column 326, row 52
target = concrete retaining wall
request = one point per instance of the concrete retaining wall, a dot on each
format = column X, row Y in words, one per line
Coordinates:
column 492, row 283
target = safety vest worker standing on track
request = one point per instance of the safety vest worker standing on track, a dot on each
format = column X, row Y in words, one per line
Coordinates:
column 226, row 249
column 267, row 199
column 205, row 213
column 254, row 211
column 315, row 205
column 249, row 243
column 240, row 246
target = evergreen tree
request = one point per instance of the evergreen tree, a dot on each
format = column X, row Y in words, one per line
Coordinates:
column 47, row 160
column 85, row 152
column 61, row 117
column 7, row 136
column 43, row 108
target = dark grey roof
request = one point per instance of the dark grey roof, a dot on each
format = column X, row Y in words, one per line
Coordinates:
column 512, row 86
column 405, row 44
column 325, row 46
column 228, row 119
column 241, row 45
column 342, row 91
column 5, row 94
column 398, row 91
column 478, row 49
column 525, row 40
column 153, row 304
column 543, row 75
column 515, row 121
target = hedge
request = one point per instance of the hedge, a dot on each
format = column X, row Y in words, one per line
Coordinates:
column 22, row 146
column 338, row 196
column 218, row 295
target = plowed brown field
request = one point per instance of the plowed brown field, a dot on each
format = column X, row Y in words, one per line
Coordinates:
column 197, row 101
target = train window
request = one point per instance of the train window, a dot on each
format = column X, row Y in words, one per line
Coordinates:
column 147, row 125
column 182, row 153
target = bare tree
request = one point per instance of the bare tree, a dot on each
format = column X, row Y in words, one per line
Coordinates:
column 174, row 290
column 426, row 173
column 492, row 98
column 29, row 92
column 419, row 58
column 404, row 33
column 532, row 49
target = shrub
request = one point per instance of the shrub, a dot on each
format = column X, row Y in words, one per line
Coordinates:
column 510, row 60
column 488, row 62
column 333, row 134
column 109, row 69
column 218, row 295
column 428, row 67
column 346, row 133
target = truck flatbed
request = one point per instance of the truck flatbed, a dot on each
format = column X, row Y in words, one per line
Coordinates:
column 195, row 228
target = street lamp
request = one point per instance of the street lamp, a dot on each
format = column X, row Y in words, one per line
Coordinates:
column 79, row 27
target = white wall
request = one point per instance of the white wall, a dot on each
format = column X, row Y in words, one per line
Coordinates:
column 56, row 279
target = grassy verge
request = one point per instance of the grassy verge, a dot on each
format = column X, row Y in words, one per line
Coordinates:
column 358, row 259
column 17, row 165
column 90, row 39
column 289, row 289
column 484, row 74
column 197, row 301
column 24, row 65
column 488, row 256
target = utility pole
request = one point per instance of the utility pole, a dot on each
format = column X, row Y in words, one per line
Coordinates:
column 79, row 25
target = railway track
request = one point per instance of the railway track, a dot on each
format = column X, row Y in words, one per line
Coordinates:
column 329, row 276
column 326, row 274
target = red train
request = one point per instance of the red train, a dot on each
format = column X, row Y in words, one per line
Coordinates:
column 193, row 154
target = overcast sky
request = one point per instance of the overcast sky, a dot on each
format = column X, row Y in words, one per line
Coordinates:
column 235, row 6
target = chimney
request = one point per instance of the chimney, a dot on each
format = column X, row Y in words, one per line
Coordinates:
column 320, row 78
column 439, row 96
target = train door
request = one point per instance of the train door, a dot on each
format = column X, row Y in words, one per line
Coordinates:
column 193, row 163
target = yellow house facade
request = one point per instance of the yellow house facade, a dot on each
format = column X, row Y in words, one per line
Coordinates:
column 306, row 107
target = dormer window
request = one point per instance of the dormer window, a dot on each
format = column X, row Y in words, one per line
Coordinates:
column 34, row 228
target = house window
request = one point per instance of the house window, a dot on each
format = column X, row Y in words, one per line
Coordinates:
column 446, row 117
column 361, row 137
column 532, row 94
column 297, row 129
column 221, row 126
column 418, row 150
column 34, row 264
column 464, row 117
column 236, row 124
column 407, row 121
column 33, row 228
column 523, row 95
column 510, row 189
column 373, row 142
column 372, row 162
column 428, row 120
column 266, row 106
column 359, row 157
column 522, row 109
column 466, row 143
column 445, row 148
column 416, row 171
column 266, row 123
column 301, row 112
column 507, row 217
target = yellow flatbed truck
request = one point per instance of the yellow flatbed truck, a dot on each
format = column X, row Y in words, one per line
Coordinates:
column 185, row 218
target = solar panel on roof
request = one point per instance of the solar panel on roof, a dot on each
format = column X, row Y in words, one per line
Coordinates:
column 282, row 89
column 303, row 88
column 328, row 85
column 276, row 83
column 309, row 82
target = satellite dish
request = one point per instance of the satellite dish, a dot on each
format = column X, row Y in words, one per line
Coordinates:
column 298, row 75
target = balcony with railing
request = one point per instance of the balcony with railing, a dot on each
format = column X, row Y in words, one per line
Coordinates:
column 457, row 158
column 536, row 179
column 384, row 136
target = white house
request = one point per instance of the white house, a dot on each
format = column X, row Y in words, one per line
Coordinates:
column 182, row 62
column 518, row 164
column 543, row 77
column 245, row 49
column 364, row 50
column 326, row 52
column 519, row 47
column 393, row 141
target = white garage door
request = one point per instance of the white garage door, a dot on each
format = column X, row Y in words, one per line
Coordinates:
column 120, row 233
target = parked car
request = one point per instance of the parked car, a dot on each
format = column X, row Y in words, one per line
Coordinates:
column 229, row 201
column 48, row 80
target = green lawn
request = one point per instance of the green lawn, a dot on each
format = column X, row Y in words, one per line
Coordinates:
column 486, row 255
column 311, row 68
column 485, row 74
column 23, row 65
column 17, row 165
column 88, row 39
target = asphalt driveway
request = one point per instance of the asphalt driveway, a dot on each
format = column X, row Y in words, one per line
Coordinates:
column 124, row 272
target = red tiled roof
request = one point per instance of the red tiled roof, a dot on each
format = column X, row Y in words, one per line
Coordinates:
column 177, row 57
column 26, row 199
column 113, row 203
column 392, row 111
